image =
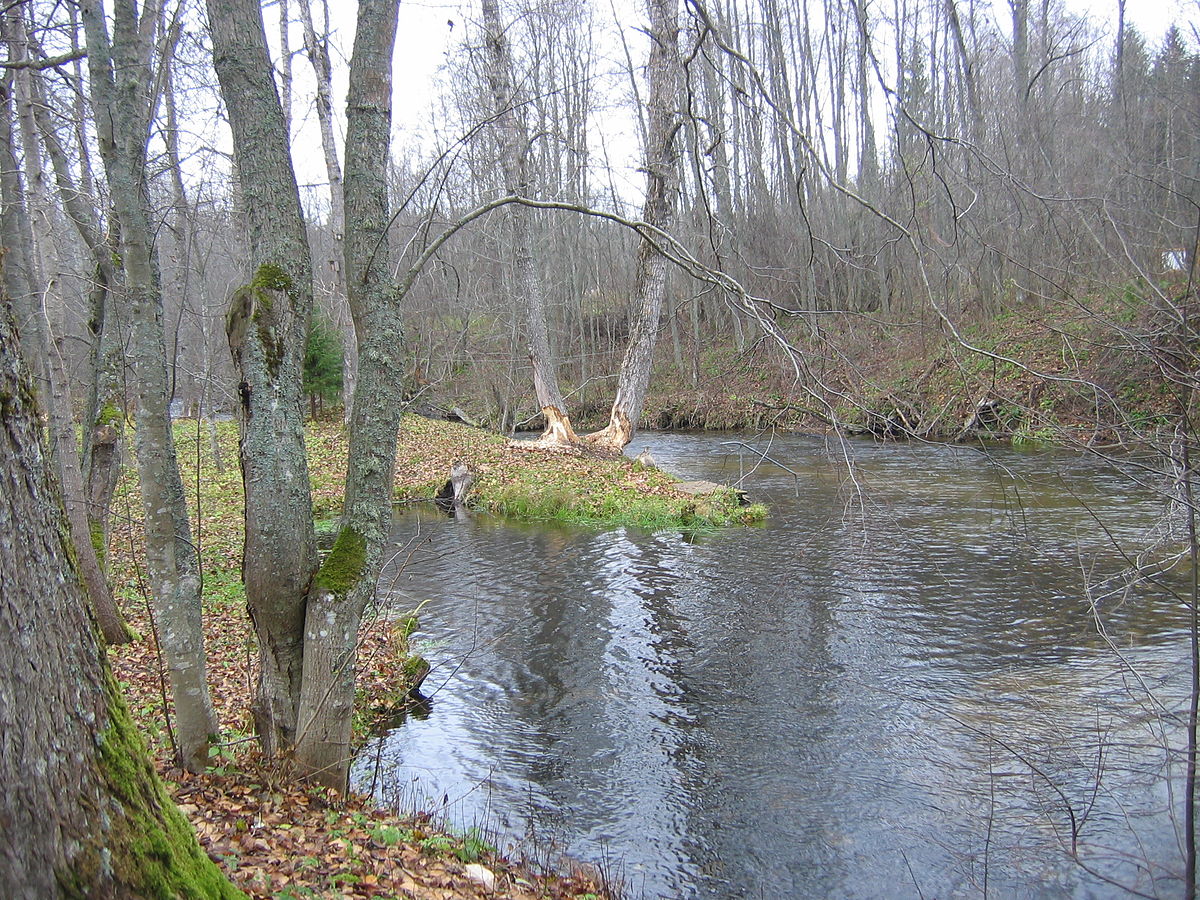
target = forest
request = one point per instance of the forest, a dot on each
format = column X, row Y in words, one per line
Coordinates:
column 914, row 220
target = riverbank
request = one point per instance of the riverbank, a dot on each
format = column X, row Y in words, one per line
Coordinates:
column 1089, row 372
column 273, row 837
column 1081, row 374
column 277, row 839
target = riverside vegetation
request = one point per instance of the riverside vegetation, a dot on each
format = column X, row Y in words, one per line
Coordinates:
column 1086, row 372
column 278, row 839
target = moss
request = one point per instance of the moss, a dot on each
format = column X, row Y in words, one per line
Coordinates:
column 98, row 544
column 273, row 278
column 345, row 564
column 110, row 414
column 254, row 303
column 149, row 849
column 415, row 668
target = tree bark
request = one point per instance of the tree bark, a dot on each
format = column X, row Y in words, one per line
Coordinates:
column 347, row 578
column 268, row 324
column 513, row 139
column 121, row 99
column 664, row 74
column 83, row 813
column 37, row 252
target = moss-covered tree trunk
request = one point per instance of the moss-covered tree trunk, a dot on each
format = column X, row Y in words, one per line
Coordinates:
column 82, row 813
column 664, row 74
column 121, row 98
column 267, row 327
column 347, row 578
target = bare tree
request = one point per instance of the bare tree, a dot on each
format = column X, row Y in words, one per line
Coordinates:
column 664, row 77
column 121, row 97
column 268, row 320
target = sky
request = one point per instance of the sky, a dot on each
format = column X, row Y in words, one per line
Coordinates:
column 429, row 29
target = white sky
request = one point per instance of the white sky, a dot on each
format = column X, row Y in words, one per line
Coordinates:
column 424, row 38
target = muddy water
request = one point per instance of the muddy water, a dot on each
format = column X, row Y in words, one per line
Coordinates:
column 924, row 676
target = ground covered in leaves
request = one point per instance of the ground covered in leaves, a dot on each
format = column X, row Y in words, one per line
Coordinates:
column 275, row 837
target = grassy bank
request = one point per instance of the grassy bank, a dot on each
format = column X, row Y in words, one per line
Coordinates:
column 528, row 485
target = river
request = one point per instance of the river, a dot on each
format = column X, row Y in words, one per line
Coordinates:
column 923, row 676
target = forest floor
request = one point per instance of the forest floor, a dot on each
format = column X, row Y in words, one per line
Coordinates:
column 279, row 838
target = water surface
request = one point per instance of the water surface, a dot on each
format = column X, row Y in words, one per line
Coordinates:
column 923, row 676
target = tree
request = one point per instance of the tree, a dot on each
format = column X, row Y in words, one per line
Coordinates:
column 346, row 581
column 307, row 619
column 664, row 74
column 323, row 365
column 83, row 812
column 267, row 325
column 513, row 139
column 121, row 97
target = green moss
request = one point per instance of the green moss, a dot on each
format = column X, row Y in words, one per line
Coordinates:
column 110, row 414
column 272, row 277
column 254, row 303
column 96, row 529
column 415, row 669
column 149, row 849
column 345, row 564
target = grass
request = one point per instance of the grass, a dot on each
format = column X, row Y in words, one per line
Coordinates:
column 533, row 486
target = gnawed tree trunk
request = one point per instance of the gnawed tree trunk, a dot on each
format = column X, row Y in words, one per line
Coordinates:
column 84, row 812
column 346, row 580
column 268, row 322
column 513, row 139
column 664, row 74
column 121, row 99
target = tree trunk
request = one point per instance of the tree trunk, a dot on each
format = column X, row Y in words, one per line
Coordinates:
column 84, row 813
column 120, row 97
column 664, row 74
column 268, row 323
column 513, row 139
column 317, row 49
column 346, row 580
column 41, row 259
column 101, row 457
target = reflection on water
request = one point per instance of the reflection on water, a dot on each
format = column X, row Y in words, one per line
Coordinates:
column 896, row 687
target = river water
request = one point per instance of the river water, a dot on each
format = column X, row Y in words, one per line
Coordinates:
column 923, row 676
